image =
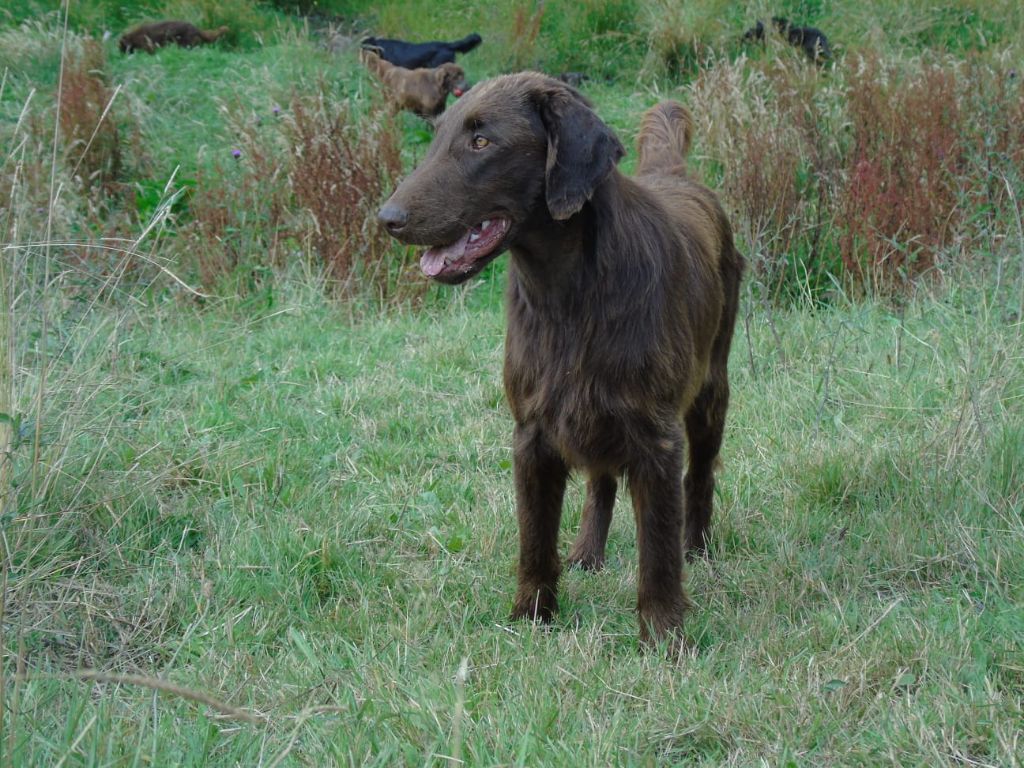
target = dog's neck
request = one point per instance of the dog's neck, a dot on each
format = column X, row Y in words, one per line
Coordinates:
column 555, row 262
column 557, row 266
column 546, row 257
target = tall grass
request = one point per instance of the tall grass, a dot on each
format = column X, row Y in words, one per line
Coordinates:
column 306, row 181
column 870, row 174
column 85, row 100
column 862, row 177
column 248, row 22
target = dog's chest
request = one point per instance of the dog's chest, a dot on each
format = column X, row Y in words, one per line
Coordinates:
column 588, row 389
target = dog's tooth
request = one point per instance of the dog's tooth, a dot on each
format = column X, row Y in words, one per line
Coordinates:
column 474, row 236
column 485, row 224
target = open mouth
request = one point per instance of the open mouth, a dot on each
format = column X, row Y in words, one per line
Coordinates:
column 469, row 254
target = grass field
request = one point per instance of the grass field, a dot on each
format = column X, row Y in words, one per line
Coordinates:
column 259, row 512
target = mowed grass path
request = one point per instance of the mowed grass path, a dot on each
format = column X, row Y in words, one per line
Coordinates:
column 312, row 519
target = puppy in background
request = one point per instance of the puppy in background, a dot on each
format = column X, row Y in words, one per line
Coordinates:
column 811, row 40
column 149, row 37
column 422, row 91
column 416, row 55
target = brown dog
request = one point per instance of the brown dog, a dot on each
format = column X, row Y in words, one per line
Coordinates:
column 622, row 296
column 423, row 91
column 149, row 37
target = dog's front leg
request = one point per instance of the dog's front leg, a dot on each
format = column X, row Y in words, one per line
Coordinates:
column 540, row 475
column 655, row 482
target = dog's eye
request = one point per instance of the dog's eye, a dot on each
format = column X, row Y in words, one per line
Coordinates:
column 479, row 142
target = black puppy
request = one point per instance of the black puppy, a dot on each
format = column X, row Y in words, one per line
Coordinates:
column 417, row 55
column 811, row 39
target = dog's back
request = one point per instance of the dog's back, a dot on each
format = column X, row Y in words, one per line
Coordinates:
column 663, row 143
column 420, row 55
column 148, row 37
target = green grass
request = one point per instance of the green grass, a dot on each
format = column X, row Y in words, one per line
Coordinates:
column 303, row 508
column 312, row 519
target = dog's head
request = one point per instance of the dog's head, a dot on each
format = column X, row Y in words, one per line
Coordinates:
column 516, row 152
column 451, row 78
column 756, row 32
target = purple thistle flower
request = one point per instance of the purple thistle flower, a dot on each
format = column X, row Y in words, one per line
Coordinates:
column 236, row 153
column 277, row 109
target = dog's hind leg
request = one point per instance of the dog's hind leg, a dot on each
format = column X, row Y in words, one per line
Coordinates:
column 655, row 484
column 705, row 421
column 540, row 475
column 588, row 551
column 705, row 424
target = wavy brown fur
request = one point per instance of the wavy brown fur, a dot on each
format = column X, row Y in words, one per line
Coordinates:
column 622, row 298
column 149, row 37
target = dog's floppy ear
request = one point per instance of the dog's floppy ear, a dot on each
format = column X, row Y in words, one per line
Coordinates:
column 582, row 150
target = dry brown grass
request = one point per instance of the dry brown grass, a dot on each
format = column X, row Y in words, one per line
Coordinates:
column 904, row 172
column 306, row 183
column 524, row 34
column 342, row 169
column 91, row 139
column 869, row 172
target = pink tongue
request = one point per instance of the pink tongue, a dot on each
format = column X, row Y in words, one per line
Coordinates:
column 433, row 260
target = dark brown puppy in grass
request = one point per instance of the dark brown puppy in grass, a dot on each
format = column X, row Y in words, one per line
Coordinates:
column 149, row 37
column 622, row 296
column 423, row 91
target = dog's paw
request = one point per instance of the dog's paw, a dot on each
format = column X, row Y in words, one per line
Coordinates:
column 535, row 605
column 661, row 622
column 697, row 552
column 697, row 546
column 584, row 560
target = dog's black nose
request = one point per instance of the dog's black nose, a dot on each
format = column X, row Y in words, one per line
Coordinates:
column 394, row 217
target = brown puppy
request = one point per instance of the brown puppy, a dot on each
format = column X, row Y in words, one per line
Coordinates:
column 622, row 297
column 423, row 91
column 149, row 37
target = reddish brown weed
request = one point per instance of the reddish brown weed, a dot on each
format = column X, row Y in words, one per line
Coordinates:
column 91, row 138
column 899, row 204
column 305, row 182
column 341, row 170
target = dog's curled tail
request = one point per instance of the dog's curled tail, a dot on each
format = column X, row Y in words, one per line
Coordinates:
column 663, row 143
column 466, row 44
